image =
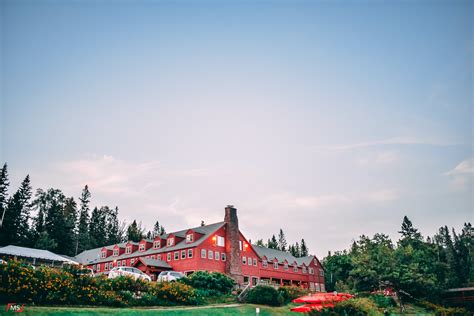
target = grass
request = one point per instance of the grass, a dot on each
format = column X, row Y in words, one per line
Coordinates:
column 232, row 309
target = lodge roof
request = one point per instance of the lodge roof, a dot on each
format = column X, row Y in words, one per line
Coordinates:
column 155, row 263
column 281, row 256
column 93, row 255
column 33, row 253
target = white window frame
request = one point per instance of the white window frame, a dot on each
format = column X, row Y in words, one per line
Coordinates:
column 183, row 254
column 116, row 252
column 217, row 255
column 285, row 266
column 170, row 242
column 124, row 262
column 118, row 263
column 249, row 261
column 254, row 262
column 275, row 265
column 176, row 255
column 141, row 247
column 103, row 254
column 311, row 271
column 190, row 238
column 203, row 253
column 210, row 255
column 190, row 253
column 156, row 244
column 240, row 245
column 168, row 256
column 106, row 267
column 128, row 250
column 295, row 268
column 132, row 261
column 244, row 260
column 98, row 267
column 220, row 241
column 223, row 256
column 264, row 263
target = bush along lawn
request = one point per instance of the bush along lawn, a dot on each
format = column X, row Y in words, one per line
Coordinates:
column 47, row 286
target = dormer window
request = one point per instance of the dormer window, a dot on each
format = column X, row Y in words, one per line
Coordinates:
column 295, row 268
column 128, row 250
column 141, row 247
column 156, row 244
column 311, row 271
column 104, row 254
column 116, row 252
column 304, row 269
column 275, row 265
column 285, row 266
column 264, row 263
column 170, row 242
column 189, row 237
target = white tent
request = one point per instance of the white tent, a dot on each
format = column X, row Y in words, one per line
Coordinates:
column 34, row 253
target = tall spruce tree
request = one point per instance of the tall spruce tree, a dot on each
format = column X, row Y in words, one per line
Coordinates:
column 408, row 232
column 83, row 240
column 303, row 249
column 156, row 229
column 297, row 250
column 70, row 220
column 272, row 243
column 113, row 233
column 3, row 197
column 97, row 227
column 134, row 232
column 282, row 244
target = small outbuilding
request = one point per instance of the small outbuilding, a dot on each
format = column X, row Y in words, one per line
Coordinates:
column 35, row 257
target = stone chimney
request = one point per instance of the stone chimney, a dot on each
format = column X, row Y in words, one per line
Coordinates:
column 233, row 265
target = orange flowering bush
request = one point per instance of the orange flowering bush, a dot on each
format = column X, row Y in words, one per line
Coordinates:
column 44, row 285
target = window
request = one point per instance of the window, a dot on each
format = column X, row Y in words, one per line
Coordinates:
column 315, row 262
column 240, row 244
column 321, row 272
column 98, row 268
column 285, row 266
column 311, row 271
column 104, row 254
column 244, row 260
column 190, row 253
column 223, row 256
column 304, row 269
column 183, row 254
column 275, row 265
column 156, row 244
column 106, row 267
column 264, row 263
column 128, row 250
column 116, row 252
column 168, row 256
column 203, row 253
column 322, row 287
column 217, row 255
column 170, row 242
column 189, row 238
column 295, row 268
column 317, row 287
column 124, row 263
column 220, row 241
column 141, row 247
column 118, row 263
column 159, row 257
column 153, row 256
column 255, row 262
column 111, row 265
column 93, row 267
column 249, row 261
column 176, row 255
column 132, row 261
column 210, row 255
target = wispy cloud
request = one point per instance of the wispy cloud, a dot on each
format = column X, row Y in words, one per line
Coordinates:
column 400, row 141
column 380, row 158
column 462, row 174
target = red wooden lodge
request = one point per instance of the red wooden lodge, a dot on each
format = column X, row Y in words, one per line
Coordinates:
column 216, row 247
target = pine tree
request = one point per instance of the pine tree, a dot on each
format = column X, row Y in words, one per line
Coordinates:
column 272, row 243
column 297, row 250
column 292, row 250
column 45, row 242
column 303, row 249
column 3, row 196
column 24, row 205
column 202, row 223
column 282, row 241
column 111, row 218
column 52, row 204
column 260, row 243
column 83, row 240
column 97, row 227
column 162, row 230
column 408, row 231
column 134, row 232
column 156, row 229
column 70, row 220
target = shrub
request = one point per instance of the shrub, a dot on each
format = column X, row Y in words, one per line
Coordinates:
column 210, row 283
column 44, row 285
column 289, row 293
column 383, row 301
column 358, row 307
column 441, row 310
column 265, row 295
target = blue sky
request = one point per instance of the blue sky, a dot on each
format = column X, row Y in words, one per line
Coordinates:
column 327, row 119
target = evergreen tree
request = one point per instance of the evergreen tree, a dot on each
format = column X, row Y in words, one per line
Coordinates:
column 408, row 232
column 83, row 240
column 297, row 250
column 162, row 230
column 3, row 196
column 97, row 227
column 134, row 232
column 52, row 204
column 272, row 243
column 45, row 242
column 15, row 230
column 282, row 241
column 113, row 236
column 156, row 229
column 70, row 220
column 292, row 250
column 260, row 243
column 303, row 249
column 202, row 223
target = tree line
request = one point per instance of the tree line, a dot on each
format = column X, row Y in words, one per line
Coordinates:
column 415, row 267
column 50, row 220
column 297, row 249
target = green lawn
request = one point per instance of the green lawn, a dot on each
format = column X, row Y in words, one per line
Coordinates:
column 236, row 309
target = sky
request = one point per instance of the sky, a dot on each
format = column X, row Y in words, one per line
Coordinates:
column 328, row 119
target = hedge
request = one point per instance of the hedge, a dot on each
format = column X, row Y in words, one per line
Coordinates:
column 210, row 283
column 49, row 286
